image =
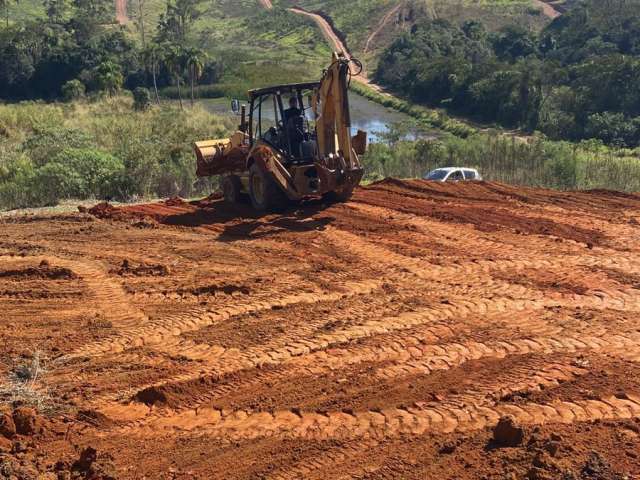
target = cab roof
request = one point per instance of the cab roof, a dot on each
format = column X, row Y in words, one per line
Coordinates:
column 287, row 88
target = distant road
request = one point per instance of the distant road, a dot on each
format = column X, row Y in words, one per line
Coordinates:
column 383, row 23
column 121, row 11
column 334, row 40
column 548, row 9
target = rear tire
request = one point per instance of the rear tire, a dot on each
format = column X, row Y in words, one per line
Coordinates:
column 265, row 195
column 338, row 197
column 232, row 189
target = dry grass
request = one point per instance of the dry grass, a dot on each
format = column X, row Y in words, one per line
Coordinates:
column 24, row 385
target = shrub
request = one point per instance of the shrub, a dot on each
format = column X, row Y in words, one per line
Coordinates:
column 99, row 172
column 45, row 144
column 72, row 90
column 141, row 99
column 53, row 182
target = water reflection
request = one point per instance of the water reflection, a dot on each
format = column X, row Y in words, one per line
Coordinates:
column 365, row 115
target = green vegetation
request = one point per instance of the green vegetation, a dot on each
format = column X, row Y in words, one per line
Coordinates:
column 100, row 150
column 574, row 80
column 176, row 43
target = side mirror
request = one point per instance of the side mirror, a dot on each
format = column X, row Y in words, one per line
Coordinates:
column 235, row 106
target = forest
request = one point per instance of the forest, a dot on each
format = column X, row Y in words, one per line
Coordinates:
column 576, row 79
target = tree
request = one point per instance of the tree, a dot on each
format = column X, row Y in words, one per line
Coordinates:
column 56, row 10
column 5, row 6
column 139, row 21
column 72, row 90
column 108, row 77
column 152, row 56
column 175, row 24
column 194, row 58
column 174, row 60
column 141, row 99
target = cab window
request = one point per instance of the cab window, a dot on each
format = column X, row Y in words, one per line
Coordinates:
column 455, row 176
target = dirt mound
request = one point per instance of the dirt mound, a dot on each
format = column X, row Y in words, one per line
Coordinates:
column 103, row 210
column 44, row 271
column 153, row 396
column 127, row 268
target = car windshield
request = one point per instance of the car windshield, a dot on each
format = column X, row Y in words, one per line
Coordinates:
column 437, row 175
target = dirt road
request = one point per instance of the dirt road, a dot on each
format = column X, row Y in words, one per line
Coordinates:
column 121, row 12
column 383, row 338
column 548, row 9
column 336, row 43
column 383, row 23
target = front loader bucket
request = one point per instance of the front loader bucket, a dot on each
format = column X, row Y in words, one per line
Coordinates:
column 219, row 157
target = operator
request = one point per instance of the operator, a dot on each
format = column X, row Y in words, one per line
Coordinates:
column 294, row 125
column 293, row 110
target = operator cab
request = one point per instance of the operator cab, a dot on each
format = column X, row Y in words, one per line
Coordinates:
column 283, row 118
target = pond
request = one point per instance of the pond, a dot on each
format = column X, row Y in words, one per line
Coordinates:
column 365, row 115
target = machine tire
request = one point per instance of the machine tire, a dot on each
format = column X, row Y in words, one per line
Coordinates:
column 232, row 189
column 342, row 196
column 265, row 195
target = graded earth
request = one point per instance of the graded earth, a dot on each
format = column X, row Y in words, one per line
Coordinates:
column 421, row 330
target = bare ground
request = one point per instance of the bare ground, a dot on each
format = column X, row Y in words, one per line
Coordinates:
column 382, row 338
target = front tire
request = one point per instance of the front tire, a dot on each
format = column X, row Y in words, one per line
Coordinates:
column 232, row 189
column 265, row 195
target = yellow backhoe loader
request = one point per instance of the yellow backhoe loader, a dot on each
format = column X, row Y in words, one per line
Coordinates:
column 296, row 143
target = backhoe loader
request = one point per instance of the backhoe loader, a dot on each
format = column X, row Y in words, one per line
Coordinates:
column 281, row 155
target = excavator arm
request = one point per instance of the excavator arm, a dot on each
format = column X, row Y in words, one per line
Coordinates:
column 333, row 118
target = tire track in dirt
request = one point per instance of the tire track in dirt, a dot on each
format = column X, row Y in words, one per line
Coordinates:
column 535, row 379
column 109, row 298
column 423, row 269
column 158, row 331
column 414, row 352
column 385, row 423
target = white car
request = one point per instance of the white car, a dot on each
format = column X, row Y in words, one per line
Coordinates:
column 453, row 174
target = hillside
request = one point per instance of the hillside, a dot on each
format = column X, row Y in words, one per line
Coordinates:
column 370, row 26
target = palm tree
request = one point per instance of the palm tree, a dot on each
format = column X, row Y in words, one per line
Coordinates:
column 195, row 59
column 152, row 56
column 174, row 59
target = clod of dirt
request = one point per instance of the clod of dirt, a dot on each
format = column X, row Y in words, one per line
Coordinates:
column 95, row 418
column 174, row 202
column 7, row 426
column 146, row 223
column 507, row 433
column 103, row 210
column 27, row 421
column 597, row 467
column 6, row 446
column 92, row 466
column 127, row 269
